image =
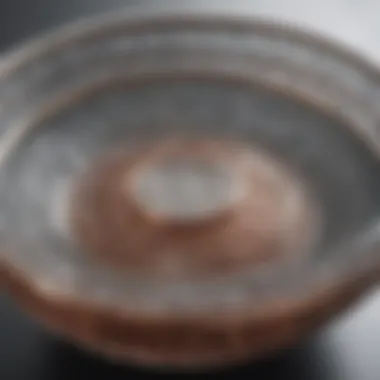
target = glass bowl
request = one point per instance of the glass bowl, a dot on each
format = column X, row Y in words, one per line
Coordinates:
column 187, row 190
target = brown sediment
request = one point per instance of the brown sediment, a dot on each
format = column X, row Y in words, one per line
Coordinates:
column 255, row 228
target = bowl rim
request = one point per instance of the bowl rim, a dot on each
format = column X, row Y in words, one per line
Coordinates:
column 140, row 18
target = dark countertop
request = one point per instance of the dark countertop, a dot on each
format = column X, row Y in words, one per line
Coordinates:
column 347, row 350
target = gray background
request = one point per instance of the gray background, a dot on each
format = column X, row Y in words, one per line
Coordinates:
column 347, row 349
